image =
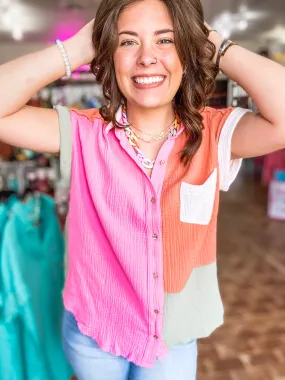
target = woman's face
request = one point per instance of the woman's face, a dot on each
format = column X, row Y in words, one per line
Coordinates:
column 147, row 66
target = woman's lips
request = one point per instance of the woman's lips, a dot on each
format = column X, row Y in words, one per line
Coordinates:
column 144, row 86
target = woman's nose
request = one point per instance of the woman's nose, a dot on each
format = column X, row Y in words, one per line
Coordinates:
column 146, row 57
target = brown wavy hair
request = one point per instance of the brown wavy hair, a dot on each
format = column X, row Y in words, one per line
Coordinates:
column 195, row 51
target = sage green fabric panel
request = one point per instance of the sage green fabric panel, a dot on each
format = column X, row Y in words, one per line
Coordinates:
column 65, row 128
column 196, row 311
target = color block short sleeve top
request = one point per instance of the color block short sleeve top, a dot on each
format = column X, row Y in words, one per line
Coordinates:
column 142, row 273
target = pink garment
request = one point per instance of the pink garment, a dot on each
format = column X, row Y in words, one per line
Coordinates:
column 129, row 327
column 119, row 225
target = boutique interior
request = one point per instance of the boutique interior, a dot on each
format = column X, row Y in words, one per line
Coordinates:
column 251, row 239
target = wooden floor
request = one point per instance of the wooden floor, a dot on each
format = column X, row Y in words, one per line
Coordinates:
column 251, row 251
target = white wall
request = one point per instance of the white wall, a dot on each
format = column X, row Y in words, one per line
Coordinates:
column 9, row 51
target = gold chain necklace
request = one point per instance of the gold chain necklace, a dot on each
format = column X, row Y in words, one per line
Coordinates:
column 152, row 136
column 133, row 139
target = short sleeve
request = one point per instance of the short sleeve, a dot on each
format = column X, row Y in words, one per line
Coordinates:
column 228, row 168
column 65, row 144
column 65, row 129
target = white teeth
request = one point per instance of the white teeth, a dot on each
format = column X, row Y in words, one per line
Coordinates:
column 148, row 80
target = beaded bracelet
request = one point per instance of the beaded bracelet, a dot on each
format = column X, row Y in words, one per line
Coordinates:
column 65, row 58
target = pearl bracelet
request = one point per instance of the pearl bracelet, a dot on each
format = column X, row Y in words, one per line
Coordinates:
column 65, row 58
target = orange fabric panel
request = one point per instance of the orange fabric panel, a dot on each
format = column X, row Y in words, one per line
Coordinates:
column 187, row 246
column 91, row 114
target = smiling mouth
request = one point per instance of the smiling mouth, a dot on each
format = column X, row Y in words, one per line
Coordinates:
column 148, row 80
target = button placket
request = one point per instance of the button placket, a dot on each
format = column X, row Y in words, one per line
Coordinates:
column 155, row 232
column 155, row 256
column 156, row 312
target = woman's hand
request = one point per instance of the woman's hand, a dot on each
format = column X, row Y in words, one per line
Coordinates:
column 207, row 26
column 264, row 81
column 82, row 43
column 37, row 128
column 215, row 38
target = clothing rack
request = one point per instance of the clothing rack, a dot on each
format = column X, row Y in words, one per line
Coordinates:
column 80, row 91
column 14, row 174
column 32, row 279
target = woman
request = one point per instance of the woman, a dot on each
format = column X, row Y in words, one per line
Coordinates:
column 146, row 171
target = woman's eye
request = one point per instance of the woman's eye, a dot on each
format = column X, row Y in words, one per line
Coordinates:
column 128, row 43
column 165, row 41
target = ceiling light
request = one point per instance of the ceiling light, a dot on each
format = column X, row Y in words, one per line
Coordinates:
column 243, row 25
column 224, row 24
column 254, row 15
column 225, row 18
column 5, row 3
column 243, row 8
column 7, row 18
column 277, row 34
column 17, row 33
column 226, row 33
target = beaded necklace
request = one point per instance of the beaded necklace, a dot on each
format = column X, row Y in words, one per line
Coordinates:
column 133, row 138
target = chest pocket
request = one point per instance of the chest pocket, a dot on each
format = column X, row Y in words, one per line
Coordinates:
column 197, row 201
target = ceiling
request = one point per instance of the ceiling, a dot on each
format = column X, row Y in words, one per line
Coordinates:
column 257, row 21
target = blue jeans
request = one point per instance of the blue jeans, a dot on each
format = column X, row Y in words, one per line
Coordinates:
column 91, row 363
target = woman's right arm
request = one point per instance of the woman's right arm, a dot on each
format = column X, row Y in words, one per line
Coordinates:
column 32, row 127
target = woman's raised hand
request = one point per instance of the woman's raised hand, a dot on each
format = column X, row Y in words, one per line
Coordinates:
column 29, row 127
column 83, row 38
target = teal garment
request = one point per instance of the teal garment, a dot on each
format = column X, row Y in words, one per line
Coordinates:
column 4, row 215
column 32, row 252
column 10, row 361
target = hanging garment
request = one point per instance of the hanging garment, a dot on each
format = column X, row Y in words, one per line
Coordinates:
column 32, row 280
column 10, row 361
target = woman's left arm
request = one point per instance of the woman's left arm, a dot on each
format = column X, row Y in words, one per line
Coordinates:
column 264, row 81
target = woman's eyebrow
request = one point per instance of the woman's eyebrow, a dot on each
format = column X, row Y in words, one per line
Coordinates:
column 157, row 32
column 163, row 31
column 129, row 32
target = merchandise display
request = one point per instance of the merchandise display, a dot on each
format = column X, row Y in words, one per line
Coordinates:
column 22, row 169
column 32, row 279
column 276, row 198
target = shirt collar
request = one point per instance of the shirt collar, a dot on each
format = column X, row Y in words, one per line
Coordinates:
column 118, row 118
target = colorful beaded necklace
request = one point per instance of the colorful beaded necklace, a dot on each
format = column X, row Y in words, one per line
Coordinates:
column 133, row 138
